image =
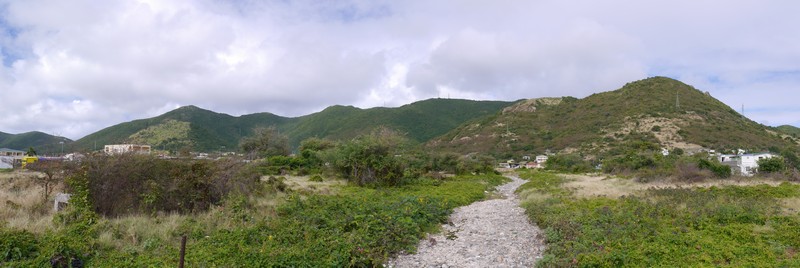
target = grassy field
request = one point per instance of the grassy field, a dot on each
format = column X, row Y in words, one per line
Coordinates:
column 294, row 223
column 608, row 222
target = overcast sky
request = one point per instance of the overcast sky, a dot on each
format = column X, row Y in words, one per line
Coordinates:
column 74, row 67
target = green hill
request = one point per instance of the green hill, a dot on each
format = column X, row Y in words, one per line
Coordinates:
column 789, row 130
column 43, row 143
column 204, row 130
column 658, row 109
column 420, row 121
column 190, row 126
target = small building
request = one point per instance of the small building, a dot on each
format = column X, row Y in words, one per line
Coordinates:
column 113, row 149
column 15, row 154
column 743, row 164
column 541, row 159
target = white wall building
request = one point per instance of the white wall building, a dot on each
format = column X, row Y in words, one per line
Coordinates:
column 113, row 149
column 744, row 164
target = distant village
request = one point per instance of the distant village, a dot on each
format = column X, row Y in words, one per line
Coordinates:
column 11, row 158
column 740, row 162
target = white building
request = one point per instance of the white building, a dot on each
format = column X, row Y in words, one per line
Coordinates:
column 16, row 154
column 10, row 156
column 541, row 159
column 744, row 164
column 113, row 149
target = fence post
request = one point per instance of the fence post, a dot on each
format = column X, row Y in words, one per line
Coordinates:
column 183, row 250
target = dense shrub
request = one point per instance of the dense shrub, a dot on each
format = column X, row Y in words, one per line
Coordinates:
column 376, row 158
column 572, row 163
column 129, row 184
column 16, row 245
column 720, row 170
column 771, row 165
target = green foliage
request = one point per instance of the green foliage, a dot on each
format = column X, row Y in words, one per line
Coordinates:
column 771, row 165
column 572, row 163
column 265, row 142
column 728, row 226
column 17, row 245
column 719, row 170
column 371, row 159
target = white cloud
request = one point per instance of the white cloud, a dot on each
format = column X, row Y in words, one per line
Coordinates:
column 80, row 66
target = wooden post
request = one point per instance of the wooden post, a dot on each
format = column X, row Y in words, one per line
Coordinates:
column 183, row 250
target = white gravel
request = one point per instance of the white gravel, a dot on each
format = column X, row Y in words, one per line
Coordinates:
column 491, row 233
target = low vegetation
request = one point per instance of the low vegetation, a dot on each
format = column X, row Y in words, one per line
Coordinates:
column 131, row 211
column 681, row 227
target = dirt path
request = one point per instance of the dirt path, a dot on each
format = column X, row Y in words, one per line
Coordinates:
column 491, row 233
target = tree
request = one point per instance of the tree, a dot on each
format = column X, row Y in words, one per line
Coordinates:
column 374, row 158
column 771, row 165
column 31, row 152
column 265, row 142
column 310, row 149
column 53, row 173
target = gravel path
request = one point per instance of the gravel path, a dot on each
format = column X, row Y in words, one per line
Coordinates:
column 491, row 233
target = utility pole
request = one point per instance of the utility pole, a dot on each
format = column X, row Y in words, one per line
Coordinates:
column 677, row 100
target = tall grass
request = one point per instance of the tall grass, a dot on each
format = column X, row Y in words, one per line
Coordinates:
column 22, row 205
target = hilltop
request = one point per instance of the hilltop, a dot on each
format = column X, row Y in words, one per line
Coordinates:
column 204, row 130
column 658, row 109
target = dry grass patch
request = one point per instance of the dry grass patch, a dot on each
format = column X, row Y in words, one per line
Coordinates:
column 614, row 187
column 304, row 184
column 791, row 205
column 21, row 202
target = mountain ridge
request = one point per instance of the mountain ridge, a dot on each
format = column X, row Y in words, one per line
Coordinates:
column 658, row 109
column 204, row 130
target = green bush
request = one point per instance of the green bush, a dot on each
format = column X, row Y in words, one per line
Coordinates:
column 720, row 170
column 771, row 165
column 571, row 163
column 17, row 245
column 131, row 184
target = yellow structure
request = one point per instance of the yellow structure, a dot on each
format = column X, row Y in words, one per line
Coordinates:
column 29, row 160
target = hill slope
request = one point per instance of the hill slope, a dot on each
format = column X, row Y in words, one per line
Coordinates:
column 187, row 126
column 44, row 143
column 204, row 130
column 789, row 130
column 656, row 109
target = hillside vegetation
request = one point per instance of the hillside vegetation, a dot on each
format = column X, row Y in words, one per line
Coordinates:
column 43, row 142
column 202, row 130
column 659, row 109
column 789, row 130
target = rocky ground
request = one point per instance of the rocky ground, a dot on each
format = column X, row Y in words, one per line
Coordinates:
column 491, row 233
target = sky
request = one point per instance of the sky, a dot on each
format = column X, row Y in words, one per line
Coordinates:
column 71, row 68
